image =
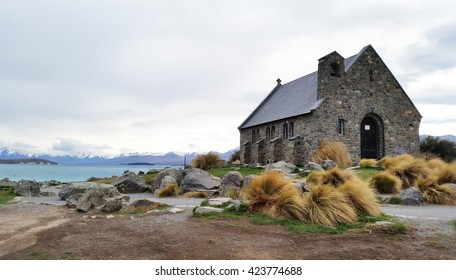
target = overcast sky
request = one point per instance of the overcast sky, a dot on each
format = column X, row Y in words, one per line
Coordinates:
column 109, row 77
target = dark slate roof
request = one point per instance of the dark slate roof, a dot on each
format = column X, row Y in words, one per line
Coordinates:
column 292, row 99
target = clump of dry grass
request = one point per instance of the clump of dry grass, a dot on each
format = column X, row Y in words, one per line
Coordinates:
column 367, row 162
column 335, row 151
column 195, row 195
column 333, row 177
column 170, row 190
column 436, row 163
column 435, row 193
column 446, row 174
column 406, row 167
column 328, row 206
column 206, row 161
column 385, row 183
column 362, row 197
column 273, row 194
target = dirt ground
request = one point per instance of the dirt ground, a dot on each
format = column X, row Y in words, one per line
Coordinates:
column 31, row 231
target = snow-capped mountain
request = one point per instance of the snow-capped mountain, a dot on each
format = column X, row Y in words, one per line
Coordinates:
column 171, row 158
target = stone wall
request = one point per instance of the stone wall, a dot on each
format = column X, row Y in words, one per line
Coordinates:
column 367, row 89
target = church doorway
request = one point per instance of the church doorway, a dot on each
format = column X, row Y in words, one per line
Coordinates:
column 372, row 137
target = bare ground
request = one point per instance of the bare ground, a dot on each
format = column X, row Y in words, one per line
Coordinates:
column 31, row 231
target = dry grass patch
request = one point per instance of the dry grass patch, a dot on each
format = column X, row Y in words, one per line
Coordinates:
column 195, row 195
column 367, row 162
column 273, row 194
column 362, row 197
column 327, row 206
column 206, row 161
column 385, row 183
column 170, row 190
column 333, row 177
column 335, row 151
column 435, row 193
column 446, row 174
column 408, row 169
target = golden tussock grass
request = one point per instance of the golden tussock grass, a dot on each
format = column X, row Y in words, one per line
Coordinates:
column 386, row 183
column 446, row 174
column 328, row 206
column 362, row 197
column 170, row 190
column 409, row 169
column 335, row 151
column 334, row 177
column 273, row 194
column 195, row 195
column 367, row 162
column 388, row 162
column 206, row 161
column 436, row 163
column 434, row 193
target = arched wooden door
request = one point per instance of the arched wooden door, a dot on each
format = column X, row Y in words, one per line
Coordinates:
column 369, row 138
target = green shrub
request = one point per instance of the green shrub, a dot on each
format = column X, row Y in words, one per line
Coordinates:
column 442, row 148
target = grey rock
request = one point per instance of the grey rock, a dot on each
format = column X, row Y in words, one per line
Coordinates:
column 328, row 164
column 167, row 180
column 219, row 201
column 48, row 194
column 7, row 182
column 247, row 180
column 207, row 209
column 412, row 196
column 232, row 179
column 78, row 187
column 176, row 174
column 313, row 166
column 104, row 198
column 130, row 182
column 282, row 166
column 73, row 199
column 28, row 188
column 199, row 180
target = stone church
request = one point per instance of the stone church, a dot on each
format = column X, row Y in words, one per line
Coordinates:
column 355, row 100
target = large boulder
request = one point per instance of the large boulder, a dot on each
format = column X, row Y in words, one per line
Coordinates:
column 232, row 179
column 104, row 198
column 6, row 182
column 312, row 166
column 282, row 166
column 247, row 180
column 328, row 164
column 27, row 188
column 130, row 182
column 167, row 180
column 176, row 174
column 412, row 196
column 77, row 187
column 197, row 180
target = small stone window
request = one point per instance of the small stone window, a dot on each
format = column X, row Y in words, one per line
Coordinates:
column 268, row 134
column 335, row 70
column 272, row 132
column 341, row 126
column 371, row 76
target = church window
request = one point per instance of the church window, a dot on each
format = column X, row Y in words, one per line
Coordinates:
column 268, row 134
column 285, row 131
column 291, row 130
column 371, row 76
column 272, row 132
column 335, row 71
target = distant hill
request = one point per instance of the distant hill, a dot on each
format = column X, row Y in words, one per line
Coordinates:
column 26, row 161
column 170, row 158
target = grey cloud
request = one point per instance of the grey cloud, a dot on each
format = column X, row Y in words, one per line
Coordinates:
column 435, row 50
column 75, row 146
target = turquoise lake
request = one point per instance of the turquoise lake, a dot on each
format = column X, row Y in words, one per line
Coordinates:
column 69, row 172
